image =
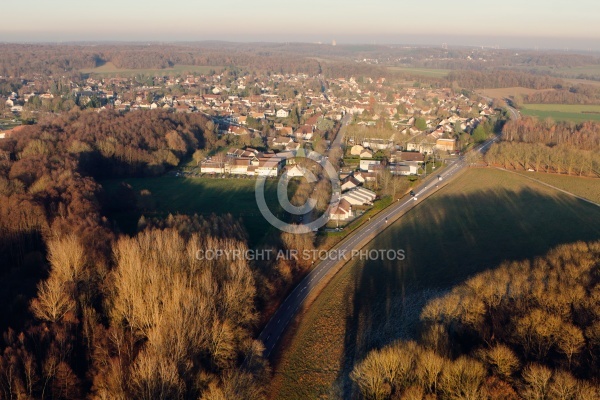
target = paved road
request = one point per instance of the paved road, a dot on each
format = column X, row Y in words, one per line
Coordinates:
column 287, row 311
column 337, row 142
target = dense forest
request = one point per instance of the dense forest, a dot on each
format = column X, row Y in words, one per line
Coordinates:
column 21, row 59
column 564, row 148
column 503, row 79
column 527, row 329
column 91, row 313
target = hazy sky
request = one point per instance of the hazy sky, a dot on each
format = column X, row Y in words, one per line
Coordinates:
column 550, row 23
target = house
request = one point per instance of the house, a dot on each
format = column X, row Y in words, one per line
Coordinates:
column 305, row 132
column 403, row 169
column 286, row 131
column 408, row 156
column 421, row 146
column 314, row 120
column 445, row 144
column 212, row 167
column 356, row 150
column 239, row 165
column 295, row 172
column 269, row 166
column 239, row 153
column 366, row 153
column 238, row 130
column 350, row 182
column 342, row 211
column 281, row 141
column 282, row 113
column 368, row 164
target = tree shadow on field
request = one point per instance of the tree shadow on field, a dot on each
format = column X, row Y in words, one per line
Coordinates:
column 446, row 240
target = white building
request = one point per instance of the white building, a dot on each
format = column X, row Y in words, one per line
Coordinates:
column 359, row 196
column 367, row 164
column 342, row 211
column 282, row 113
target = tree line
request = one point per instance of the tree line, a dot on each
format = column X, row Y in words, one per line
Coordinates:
column 20, row 60
column 527, row 329
column 564, row 148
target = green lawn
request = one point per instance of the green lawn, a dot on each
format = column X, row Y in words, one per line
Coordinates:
column 202, row 196
column 588, row 188
column 482, row 218
column 568, row 72
column 563, row 112
column 427, row 72
column 109, row 69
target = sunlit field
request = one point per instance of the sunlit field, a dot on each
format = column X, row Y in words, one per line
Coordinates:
column 481, row 219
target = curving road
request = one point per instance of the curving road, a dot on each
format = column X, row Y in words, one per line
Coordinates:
column 343, row 252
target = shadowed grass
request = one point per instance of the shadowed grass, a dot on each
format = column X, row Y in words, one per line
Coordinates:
column 482, row 218
column 202, row 196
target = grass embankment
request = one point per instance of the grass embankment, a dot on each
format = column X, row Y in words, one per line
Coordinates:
column 563, row 112
column 479, row 220
column 202, row 196
column 109, row 69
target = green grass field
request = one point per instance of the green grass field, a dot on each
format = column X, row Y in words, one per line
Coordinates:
column 427, row 72
column 109, row 69
column 563, row 112
column 574, row 72
column 569, row 72
column 588, row 188
column 202, row 196
column 482, row 218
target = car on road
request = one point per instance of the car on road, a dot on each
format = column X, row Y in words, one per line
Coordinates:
column 439, row 177
column 412, row 193
column 415, row 198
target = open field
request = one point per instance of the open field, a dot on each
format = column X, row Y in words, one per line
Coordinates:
column 586, row 69
column 502, row 93
column 563, row 112
column 583, row 82
column 567, row 72
column 110, row 69
column 202, row 196
column 484, row 217
column 588, row 188
column 427, row 72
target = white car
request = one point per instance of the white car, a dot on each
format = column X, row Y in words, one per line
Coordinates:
column 415, row 198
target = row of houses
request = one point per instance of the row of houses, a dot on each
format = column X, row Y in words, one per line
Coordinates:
column 247, row 162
